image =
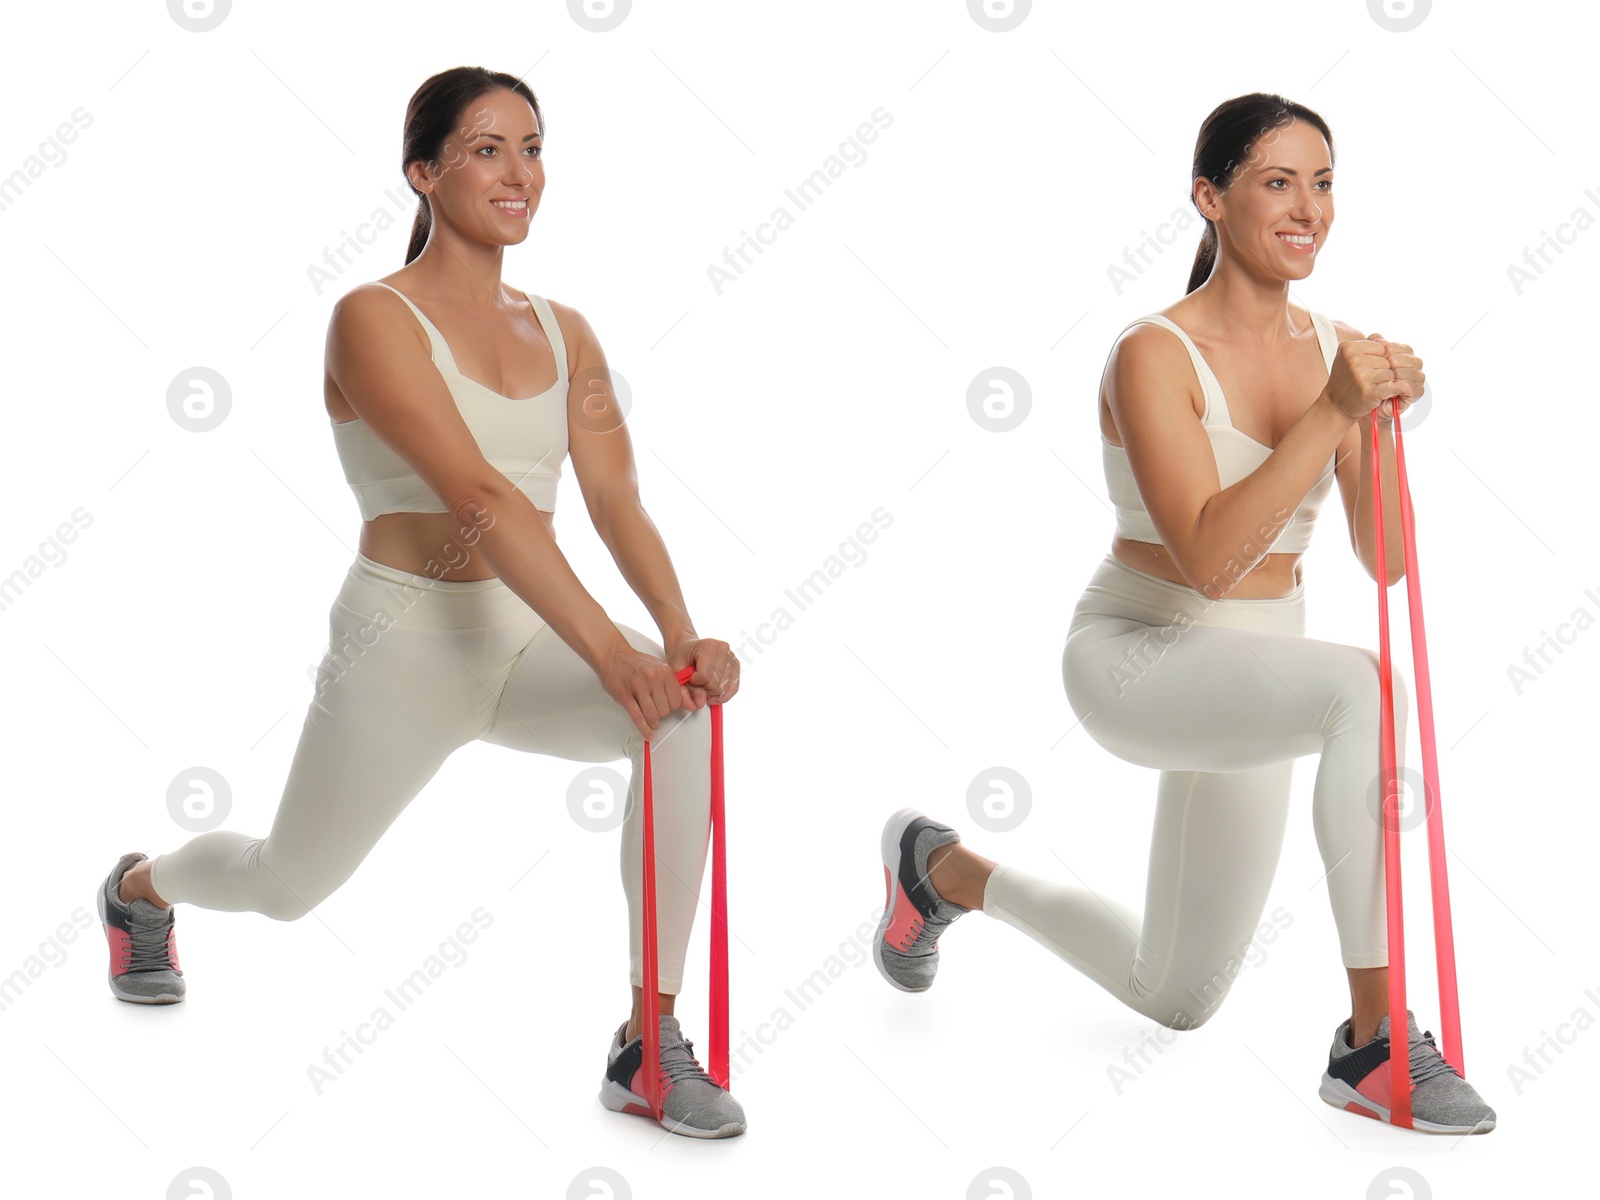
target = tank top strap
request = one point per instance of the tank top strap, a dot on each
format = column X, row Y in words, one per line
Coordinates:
column 552, row 332
column 441, row 348
column 1327, row 337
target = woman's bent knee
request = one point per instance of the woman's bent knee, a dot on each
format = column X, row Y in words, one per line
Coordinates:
column 281, row 910
column 1185, row 1019
column 277, row 898
column 1357, row 699
column 686, row 730
column 1197, row 1004
column 283, row 903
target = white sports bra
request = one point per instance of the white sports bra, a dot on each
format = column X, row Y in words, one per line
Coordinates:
column 526, row 440
column 1237, row 455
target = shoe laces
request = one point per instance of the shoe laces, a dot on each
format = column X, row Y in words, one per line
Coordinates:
column 928, row 931
column 1426, row 1062
column 930, row 926
column 679, row 1063
column 148, row 946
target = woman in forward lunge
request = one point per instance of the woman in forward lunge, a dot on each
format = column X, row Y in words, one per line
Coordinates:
column 1224, row 422
column 453, row 401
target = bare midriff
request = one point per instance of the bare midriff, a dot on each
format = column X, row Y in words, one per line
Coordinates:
column 433, row 544
column 438, row 545
column 1274, row 576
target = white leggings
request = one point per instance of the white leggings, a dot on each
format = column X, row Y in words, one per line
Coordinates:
column 1221, row 697
column 415, row 668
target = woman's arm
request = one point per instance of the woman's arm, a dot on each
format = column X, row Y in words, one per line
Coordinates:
column 602, row 459
column 1353, row 470
column 1215, row 534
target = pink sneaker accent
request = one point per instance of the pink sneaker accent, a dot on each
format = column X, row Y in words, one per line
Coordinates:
column 1375, row 1086
column 905, row 923
column 122, row 948
column 636, row 1086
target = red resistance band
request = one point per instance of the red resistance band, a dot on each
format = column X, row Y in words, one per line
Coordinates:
column 717, row 1067
column 1443, row 937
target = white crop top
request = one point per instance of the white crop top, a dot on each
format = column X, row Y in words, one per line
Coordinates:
column 526, row 439
column 1237, row 455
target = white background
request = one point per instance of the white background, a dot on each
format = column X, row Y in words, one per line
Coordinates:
column 182, row 227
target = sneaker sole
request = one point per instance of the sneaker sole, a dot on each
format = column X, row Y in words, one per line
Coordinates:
column 159, row 998
column 889, row 848
column 1342, row 1096
column 622, row 1100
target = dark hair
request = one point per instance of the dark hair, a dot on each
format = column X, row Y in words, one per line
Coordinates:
column 1224, row 148
column 434, row 113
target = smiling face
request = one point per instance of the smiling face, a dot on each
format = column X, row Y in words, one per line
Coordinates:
column 490, row 172
column 1275, row 216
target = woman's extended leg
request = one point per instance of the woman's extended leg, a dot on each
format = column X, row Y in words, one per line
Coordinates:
column 398, row 690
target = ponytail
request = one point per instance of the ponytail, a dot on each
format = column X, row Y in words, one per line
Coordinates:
column 1204, row 258
column 420, row 228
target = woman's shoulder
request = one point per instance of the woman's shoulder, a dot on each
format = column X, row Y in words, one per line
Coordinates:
column 391, row 284
column 1150, row 335
column 1147, row 359
column 1345, row 331
column 368, row 304
column 368, row 296
column 1156, row 341
column 1149, row 343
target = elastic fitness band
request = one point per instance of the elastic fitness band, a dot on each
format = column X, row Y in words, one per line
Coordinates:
column 1443, row 937
column 717, row 1067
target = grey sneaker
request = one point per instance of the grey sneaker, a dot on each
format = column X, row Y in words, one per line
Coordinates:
column 143, row 944
column 1357, row 1080
column 906, row 949
column 692, row 1102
